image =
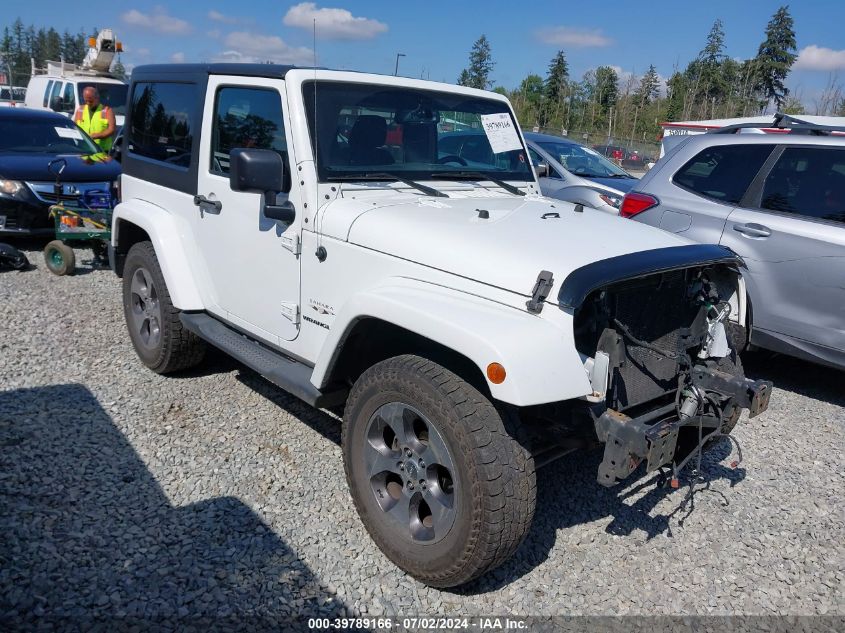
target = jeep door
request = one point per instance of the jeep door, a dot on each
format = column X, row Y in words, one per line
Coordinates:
column 790, row 229
column 251, row 261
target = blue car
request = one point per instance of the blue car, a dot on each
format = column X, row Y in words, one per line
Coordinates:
column 29, row 141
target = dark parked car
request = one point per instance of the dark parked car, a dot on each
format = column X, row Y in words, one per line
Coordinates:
column 29, row 141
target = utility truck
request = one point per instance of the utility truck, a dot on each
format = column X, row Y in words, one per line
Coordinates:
column 60, row 85
column 468, row 330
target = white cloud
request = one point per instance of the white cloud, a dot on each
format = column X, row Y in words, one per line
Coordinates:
column 178, row 58
column 216, row 16
column 820, row 58
column 244, row 46
column 158, row 20
column 214, row 34
column 576, row 38
column 337, row 24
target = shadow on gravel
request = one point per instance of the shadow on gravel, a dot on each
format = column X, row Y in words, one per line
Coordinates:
column 569, row 495
column 798, row 376
column 317, row 419
column 87, row 535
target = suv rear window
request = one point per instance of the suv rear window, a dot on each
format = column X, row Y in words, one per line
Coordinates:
column 723, row 173
column 808, row 181
column 162, row 122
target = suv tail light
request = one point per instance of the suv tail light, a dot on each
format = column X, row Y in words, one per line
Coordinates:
column 635, row 203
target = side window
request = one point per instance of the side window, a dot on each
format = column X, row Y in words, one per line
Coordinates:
column 67, row 99
column 536, row 159
column 807, row 181
column 163, row 122
column 245, row 117
column 723, row 173
column 47, row 90
column 56, row 97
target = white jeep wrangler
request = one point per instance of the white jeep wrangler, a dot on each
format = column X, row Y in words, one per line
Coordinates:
column 378, row 245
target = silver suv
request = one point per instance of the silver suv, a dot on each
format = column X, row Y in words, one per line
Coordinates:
column 777, row 200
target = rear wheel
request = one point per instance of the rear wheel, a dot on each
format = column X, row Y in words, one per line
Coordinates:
column 60, row 258
column 436, row 475
column 157, row 334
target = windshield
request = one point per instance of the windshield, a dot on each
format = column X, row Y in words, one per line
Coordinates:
column 112, row 95
column 583, row 161
column 45, row 136
column 371, row 131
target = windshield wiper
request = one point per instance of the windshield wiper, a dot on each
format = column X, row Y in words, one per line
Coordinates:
column 619, row 176
column 429, row 191
column 477, row 175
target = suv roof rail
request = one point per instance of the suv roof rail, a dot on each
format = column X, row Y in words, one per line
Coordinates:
column 784, row 122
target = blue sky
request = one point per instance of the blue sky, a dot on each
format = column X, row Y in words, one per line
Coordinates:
column 436, row 36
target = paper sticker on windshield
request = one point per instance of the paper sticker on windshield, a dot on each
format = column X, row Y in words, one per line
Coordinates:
column 500, row 132
column 69, row 132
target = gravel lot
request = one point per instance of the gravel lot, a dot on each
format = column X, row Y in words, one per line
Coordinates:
column 214, row 493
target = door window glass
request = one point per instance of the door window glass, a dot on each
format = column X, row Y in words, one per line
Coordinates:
column 724, row 172
column 47, row 93
column 536, row 159
column 163, row 121
column 56, row 97
column 807, row 181
column 67, row 103
column 245, row 118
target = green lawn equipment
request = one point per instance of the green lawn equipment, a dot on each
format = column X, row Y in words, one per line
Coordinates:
column 82, row 221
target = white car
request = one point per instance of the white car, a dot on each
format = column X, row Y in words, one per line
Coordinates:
column 306, row 222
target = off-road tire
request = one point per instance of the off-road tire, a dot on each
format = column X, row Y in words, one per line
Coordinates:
column 495, row 483
column 175, row 348
column 60, row 258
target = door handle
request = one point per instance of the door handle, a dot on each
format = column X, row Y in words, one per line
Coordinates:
column 200, row 200
column 753, row 230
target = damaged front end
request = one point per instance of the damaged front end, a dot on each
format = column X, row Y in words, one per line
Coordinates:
column 658, row 329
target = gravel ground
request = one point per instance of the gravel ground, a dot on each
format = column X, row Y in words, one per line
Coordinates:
column 212, row 492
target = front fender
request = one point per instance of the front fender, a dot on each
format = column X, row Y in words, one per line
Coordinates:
column 539, row 356
column 168, row 235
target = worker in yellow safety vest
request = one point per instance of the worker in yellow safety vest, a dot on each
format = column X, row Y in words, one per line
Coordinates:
column 95, row 119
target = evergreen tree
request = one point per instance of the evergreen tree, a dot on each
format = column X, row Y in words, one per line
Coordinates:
column 480, row 65
column 118, row 70
column 706, row 80
column 649, row 88
column 607, row 88
column 554, row 88
column 775, row 57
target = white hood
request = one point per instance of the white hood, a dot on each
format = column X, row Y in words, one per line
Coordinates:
column 507, row 250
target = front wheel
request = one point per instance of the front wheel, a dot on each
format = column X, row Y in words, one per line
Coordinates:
column 157, row 334
column 437, row 476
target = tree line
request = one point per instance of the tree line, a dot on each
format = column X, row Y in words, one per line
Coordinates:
column 20, row 44
column 711, row 86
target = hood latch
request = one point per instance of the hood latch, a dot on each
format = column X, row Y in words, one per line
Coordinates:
column 542, row 288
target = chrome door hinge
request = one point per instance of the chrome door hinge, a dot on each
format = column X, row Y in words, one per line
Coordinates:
column 291, row 243
column 291, row 312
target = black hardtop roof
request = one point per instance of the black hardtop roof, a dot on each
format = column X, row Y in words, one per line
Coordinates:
column 192, row 71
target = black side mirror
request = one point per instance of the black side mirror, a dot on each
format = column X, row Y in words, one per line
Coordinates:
column 542, row 170
column 262, row 171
